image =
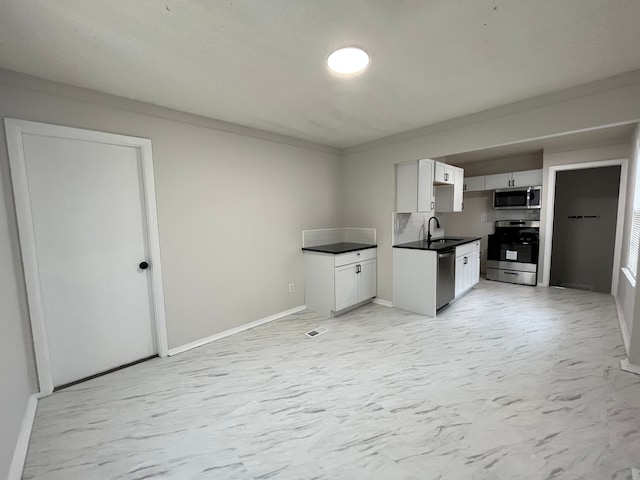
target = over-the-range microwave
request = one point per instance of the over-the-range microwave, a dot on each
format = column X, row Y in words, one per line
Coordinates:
column 517, row 198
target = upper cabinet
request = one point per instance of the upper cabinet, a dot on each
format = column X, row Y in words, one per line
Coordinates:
column 415, row 191
column 414, row 186
column 444, row 173
column 527, row 178
column 499, row 180
column 473, row 184
column 449, row 197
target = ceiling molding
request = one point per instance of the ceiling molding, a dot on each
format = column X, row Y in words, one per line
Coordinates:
column 41, row 85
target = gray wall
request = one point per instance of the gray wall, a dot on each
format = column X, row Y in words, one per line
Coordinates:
column 579, row 156
column 231, row 208
column 584, row 228
column 517, row 163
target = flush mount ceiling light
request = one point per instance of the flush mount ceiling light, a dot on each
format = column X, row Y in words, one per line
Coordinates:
column 348, row 60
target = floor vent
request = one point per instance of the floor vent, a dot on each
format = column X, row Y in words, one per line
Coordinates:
column 316, row 331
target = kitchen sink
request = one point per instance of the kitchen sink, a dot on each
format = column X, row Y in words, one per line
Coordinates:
column 445, row 240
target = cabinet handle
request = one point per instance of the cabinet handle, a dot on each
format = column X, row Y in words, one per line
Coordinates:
column 446, row 177
column 358, row 268
column 464, row 188
column 466, row 260
column 433, row 205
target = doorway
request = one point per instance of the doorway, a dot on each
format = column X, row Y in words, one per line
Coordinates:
column 85, row 204
column 584, row 228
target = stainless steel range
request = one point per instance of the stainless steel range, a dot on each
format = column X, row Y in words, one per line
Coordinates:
column 512, row 254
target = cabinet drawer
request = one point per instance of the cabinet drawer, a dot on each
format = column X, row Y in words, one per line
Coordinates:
column 467, row 248
column 353, row 257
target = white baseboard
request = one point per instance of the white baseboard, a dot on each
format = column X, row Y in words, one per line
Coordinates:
column 384, row 303
column 628, row 367
column 626, row 338
column 233, row 331
column 22, row 445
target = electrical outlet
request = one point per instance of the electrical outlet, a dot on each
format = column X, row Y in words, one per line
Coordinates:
column 292, row 287
column 483, row 217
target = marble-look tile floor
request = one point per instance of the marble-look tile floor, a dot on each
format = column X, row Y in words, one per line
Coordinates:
column 510, row 382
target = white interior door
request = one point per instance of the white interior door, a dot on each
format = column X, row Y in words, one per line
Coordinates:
column 90, row 233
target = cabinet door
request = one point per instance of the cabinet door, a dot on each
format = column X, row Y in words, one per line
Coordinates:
column 469, row 275
column 474, row 267
column 473, row 184
column 443, row 173
column 438, row 175
column 426, row 194
column 499, row 180
column 459, row 275
column 458, row 184
column 528, row 178
column 367, row 278
column 407, row 187
column 346, row 286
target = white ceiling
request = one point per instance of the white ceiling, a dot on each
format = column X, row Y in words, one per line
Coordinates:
column 260, row 63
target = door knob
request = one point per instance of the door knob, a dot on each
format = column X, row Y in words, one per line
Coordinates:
column 143, row 265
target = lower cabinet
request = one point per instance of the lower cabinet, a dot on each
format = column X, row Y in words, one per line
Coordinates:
column 467, row 266
column 354, row 283
column 336, row 282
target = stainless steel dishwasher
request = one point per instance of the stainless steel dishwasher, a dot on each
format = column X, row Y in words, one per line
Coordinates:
column 446, row 286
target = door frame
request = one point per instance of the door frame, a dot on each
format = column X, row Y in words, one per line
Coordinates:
column 15, row 129
column 551, row 211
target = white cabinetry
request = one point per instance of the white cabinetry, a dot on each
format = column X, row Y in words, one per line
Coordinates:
column 473, row 184
column 525, row 178
column 336, row 282
column 498, row 180
column 354, row 284
column 444, row 173
column 449, row 198
column 467, row 266
column 414, row 280
column 414, row 187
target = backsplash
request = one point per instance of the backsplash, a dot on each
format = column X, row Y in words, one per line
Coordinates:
column 407, row 227
column 328, row 236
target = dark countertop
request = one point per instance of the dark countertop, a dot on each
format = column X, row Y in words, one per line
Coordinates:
column 336, row 248
column 436, row 246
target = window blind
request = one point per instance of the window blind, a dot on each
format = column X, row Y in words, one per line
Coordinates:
column 634, row 243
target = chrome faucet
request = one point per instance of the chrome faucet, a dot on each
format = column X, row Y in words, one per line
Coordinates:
column 429, row 228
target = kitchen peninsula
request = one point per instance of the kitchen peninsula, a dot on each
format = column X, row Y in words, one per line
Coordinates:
column 427, row 275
